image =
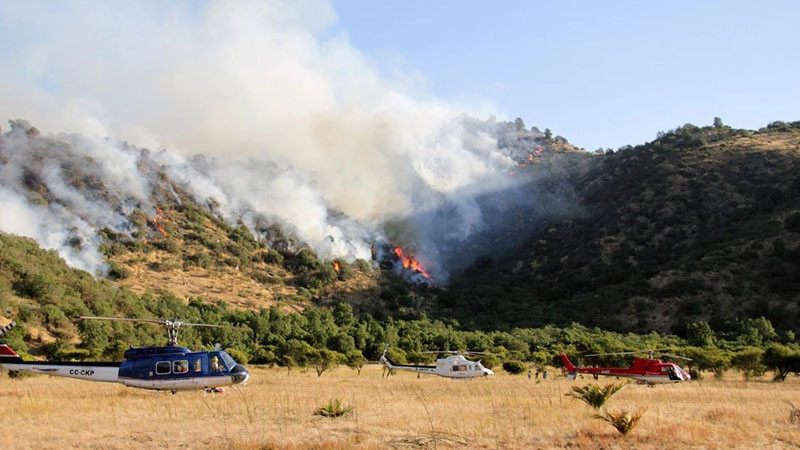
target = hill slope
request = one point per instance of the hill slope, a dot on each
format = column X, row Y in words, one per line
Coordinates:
column 700, row 224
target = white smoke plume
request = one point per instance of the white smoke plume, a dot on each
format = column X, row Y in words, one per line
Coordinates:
column 294, row 122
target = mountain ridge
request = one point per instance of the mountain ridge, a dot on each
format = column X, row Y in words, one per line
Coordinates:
column 699, row 224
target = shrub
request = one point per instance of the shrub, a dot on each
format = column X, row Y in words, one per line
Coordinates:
column 334, row 408
column 363, row 265
column 117, row 272
column 594, row 395
column 623, row 421
column 200, row 259
column 168, row 245
column 272, row 257
column 514, row 367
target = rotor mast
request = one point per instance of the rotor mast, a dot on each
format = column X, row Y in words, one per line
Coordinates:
column 173, row 325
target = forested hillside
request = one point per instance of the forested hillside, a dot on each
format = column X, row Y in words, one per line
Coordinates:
column 45, row 296
column 699, row 224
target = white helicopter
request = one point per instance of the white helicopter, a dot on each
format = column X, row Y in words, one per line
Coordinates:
column 453, row 366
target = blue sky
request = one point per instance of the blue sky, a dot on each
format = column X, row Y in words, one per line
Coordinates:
column 602, row 74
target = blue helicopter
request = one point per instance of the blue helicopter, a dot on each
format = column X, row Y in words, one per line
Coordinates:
column 169, row 368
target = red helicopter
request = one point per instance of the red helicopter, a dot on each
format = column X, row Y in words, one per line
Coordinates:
column 644, row 370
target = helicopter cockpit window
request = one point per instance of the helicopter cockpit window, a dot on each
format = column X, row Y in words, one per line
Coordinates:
column 229, row 362
column 163, row 367
column 181, row 366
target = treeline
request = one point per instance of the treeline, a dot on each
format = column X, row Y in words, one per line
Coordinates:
column 43, row 295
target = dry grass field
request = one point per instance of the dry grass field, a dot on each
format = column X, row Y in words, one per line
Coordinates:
column 275, row 410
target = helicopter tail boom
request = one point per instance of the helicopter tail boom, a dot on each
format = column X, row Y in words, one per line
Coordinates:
column 8, row 355
column 392, row 365
column 95, row 371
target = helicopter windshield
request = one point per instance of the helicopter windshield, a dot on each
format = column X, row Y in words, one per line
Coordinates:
column 227, row 360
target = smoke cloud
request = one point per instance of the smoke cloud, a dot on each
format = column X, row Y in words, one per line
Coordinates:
column 296, row 126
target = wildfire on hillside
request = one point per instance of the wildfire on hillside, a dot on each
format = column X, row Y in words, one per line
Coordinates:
column 531, row 159
column 409, row 262
column 336, row 266
column 157, row 221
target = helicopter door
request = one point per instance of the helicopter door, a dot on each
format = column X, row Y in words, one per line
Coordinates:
column 672, row 375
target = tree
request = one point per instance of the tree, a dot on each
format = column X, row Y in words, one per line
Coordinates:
column 710, row 359
column 748, row 360
column 699, row 334
column 343, row 315
column 324, row 359
column 548, row 135
column 519, row 124
column 718, row 122
column 355, row 360
column 296, row 354
column 782, row 360
column 288, row 362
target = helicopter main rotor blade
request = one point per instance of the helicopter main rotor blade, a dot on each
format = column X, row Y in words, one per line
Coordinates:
column 124, row 319
column 159, row 321
column 674, row 356
column 617, row 353
column 205, row 325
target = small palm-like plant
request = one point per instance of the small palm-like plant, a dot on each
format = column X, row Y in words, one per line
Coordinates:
column 623, row 421
column 594, row 395
column 334, row 408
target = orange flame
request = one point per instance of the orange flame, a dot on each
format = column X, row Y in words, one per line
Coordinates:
column 531, row 159
column 410, row 263
column 157, row 221
column 336, row 266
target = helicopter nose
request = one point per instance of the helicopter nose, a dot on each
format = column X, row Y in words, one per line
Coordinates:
column 239, row 374
column 487, row 372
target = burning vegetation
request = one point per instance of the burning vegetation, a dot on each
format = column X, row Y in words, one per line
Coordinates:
column 530, row 159
column 411, row 264
column 158, row 222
